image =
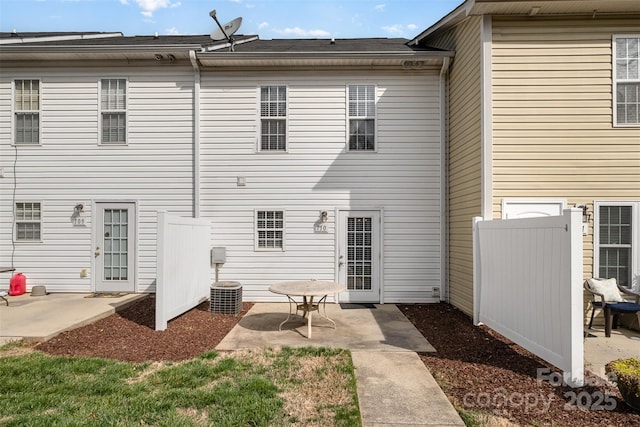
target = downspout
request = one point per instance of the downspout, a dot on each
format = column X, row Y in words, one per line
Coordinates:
column 444, row 181
column 196, row 134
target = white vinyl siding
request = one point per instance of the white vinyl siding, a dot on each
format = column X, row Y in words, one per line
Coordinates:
column 316, row 175
column 113, row 111
column 362, row 117
column 553, row 121
column 464, row 154
column 28, row 221
column 26, row 111
column 626, row 77
column 273, row 118
column 154, row 170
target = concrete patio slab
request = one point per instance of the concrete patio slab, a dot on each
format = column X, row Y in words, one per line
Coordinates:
column 383, row 328
column 40, row 318
column 600, row 350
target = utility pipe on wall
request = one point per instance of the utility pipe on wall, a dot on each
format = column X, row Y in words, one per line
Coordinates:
column 196, row 134
column 444, row 213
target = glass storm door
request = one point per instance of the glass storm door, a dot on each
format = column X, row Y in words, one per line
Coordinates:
column 114, row 250
column 359, row 256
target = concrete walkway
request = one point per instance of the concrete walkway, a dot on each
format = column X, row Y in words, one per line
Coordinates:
column 394, row 386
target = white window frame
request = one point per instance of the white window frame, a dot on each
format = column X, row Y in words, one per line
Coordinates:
column 15, row 112
column 531, row 203
column 284, row 119
column 616, row 80
column 635, row 238
column 17, row 220
column 257, row 230
column 124, row 111
column 373, row 117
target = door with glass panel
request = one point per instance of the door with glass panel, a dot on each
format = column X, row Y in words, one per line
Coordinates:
column 617, row 239
column 359, row 256
column 114, row 249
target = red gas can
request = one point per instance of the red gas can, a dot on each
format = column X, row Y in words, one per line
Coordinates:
column 18, row 284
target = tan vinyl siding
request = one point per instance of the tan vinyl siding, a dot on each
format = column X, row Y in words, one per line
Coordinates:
column 553, row 133
column 70, row 166
column 464, row 155
column 317, row 174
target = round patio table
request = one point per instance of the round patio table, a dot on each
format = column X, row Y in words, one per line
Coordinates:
column 307, row 289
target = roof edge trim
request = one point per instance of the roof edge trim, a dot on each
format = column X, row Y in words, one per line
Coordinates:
column 458, row 14
column 19, row 40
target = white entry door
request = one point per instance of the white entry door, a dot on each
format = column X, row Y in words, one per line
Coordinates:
column 114, row 249
column 359, row 256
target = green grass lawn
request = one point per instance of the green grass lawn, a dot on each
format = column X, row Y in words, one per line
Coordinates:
column 259, row 388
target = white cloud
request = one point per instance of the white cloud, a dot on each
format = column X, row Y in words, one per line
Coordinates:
column 173, row 31
column 412, row 27
column 380, row 7
column 263, row 25
column 125, row 2
column 394, row 29
column 150, row 6
column 297, row 31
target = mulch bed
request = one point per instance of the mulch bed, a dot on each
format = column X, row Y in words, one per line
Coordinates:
column 481, row 370
column 130, row 335
column 478, row 369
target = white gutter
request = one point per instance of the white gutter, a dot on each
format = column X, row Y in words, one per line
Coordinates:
column 196, row 134
column 444, row 184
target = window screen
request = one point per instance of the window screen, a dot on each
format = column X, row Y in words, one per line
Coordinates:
column 270, row 229
column 27, row 112
column 273, row 118
column 28, row 217
column 615, row 230
column 113, row 105
column 627, row 80
column 362, row 111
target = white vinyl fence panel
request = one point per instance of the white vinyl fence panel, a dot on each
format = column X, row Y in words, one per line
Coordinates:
column 528, row 286
column 183, row 266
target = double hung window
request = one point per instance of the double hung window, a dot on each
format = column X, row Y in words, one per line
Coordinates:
column 362, row 117
column 273, row 118
column 270, row 230
column 26, row 111
column 617, row 241
column 113, row 111
column 626, row 80
column 28, row 221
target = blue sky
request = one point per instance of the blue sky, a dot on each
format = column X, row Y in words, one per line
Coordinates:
column 270, row 19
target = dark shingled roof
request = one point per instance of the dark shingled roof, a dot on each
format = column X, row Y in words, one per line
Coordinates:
column 97, row 39
column 327, row 45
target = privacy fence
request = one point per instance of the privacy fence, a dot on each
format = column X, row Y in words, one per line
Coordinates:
column 528, row 286
column 183, row 266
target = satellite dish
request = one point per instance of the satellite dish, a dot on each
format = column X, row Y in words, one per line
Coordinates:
column 226, row 31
